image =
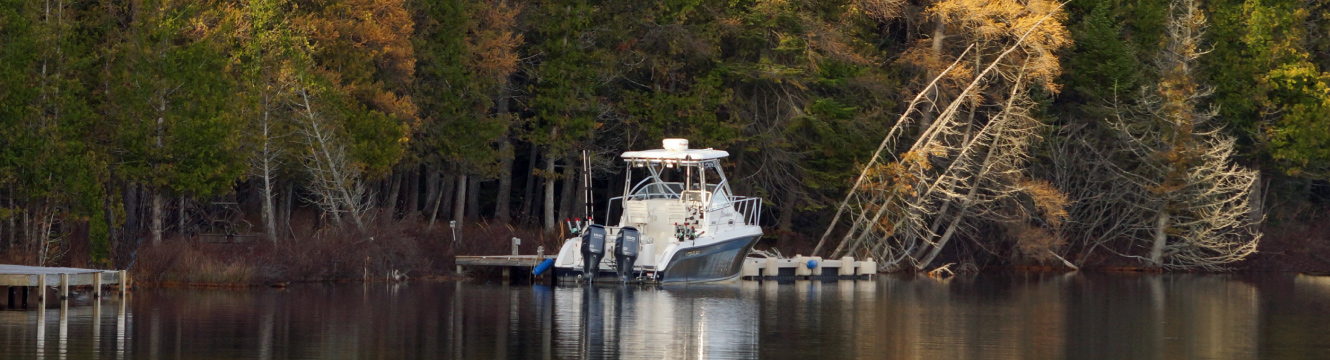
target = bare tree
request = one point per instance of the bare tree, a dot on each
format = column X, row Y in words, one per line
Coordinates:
column 335, row 181
column 1196, row 198
column 1082, row 166
column 265, row 161
column 967, row 167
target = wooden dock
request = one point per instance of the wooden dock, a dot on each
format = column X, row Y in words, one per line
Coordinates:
column 754, row 268
column 507, row 262
column 24, row 278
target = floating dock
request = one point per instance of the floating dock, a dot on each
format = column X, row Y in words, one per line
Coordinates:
column 754, row 268
column 808, row 268
column 19, row 278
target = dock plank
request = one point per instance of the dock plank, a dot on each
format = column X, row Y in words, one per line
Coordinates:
column 501, row 260
column 21, row 275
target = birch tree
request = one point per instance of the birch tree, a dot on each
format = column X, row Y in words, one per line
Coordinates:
column 267, row 45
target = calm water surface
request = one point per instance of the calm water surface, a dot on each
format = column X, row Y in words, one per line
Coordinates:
column 1080, row 316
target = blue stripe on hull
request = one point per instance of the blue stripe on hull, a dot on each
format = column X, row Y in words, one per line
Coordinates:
column 708, row 263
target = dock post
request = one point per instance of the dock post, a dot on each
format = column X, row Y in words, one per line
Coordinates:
column 97, row 285
column 41, row 285
column 506, row 269
column 96, row 324
column 124, row 279
column 64, row 286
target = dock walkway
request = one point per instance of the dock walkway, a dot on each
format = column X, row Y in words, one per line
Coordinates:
column 20, row 277
column 754, row 268
column 506, row 262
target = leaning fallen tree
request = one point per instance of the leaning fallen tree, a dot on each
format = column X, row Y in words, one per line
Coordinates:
column 1166, row 192
column 966, row 168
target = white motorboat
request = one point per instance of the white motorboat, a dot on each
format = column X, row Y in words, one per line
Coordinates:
column 679, row 222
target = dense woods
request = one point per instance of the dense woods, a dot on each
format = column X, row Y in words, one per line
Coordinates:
column 1179, row 134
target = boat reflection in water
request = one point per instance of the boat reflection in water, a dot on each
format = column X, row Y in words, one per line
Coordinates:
column 698, row 321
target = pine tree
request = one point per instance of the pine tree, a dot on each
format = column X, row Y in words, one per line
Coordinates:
column 1196, row 200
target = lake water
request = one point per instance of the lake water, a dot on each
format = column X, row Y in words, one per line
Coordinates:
column 1079, row 316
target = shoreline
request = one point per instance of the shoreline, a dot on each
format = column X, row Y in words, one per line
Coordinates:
column 422, row 253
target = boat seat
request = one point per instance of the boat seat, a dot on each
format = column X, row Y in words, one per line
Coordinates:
column 637, row 213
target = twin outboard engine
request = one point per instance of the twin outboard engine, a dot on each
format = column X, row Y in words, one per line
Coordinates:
column 593, row 249
column 625, row 251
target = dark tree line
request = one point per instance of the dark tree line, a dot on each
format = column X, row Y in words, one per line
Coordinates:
column 124, row 122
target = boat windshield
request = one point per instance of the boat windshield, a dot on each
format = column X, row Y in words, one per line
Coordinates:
column 692, row 180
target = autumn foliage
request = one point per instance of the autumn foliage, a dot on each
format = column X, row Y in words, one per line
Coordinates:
column 1155, row 133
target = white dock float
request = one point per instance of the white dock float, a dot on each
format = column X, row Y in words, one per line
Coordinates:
column 16, row 277
column 807, row 268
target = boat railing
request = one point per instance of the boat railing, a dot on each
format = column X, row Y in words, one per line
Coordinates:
column 748, row 208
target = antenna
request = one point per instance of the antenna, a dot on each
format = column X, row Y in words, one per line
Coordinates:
column 586, row 180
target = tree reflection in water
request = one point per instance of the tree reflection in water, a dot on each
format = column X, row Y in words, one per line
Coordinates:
column 1082, row 316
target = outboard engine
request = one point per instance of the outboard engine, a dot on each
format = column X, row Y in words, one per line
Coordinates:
column 593, row 249
column 625, row 251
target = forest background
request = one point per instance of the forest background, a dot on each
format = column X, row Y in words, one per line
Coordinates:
column 317, row 139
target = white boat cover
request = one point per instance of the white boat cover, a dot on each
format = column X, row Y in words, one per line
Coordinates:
column 663, row 154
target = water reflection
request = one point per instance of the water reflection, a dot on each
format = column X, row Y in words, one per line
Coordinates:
column 63, row 329
column 1082, row 316
column 709, row 321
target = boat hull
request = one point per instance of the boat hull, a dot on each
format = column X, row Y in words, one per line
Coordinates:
column 713, row 262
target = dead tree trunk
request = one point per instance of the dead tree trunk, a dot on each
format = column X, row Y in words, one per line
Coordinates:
column 549, row 194
column 501, row 200
column 569, row 180
column 502, row 213
column 288, row 197
column 157, row 209
column 11, row 240
column 432, row 184
column 459, row 198
column 445, row 199
column 180, row 216
column 473, row 199
column 412, row 191
column 528, row 193
column 394, row 187
column 132, row 206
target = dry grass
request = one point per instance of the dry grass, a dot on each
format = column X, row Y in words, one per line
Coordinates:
column 330, row 254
